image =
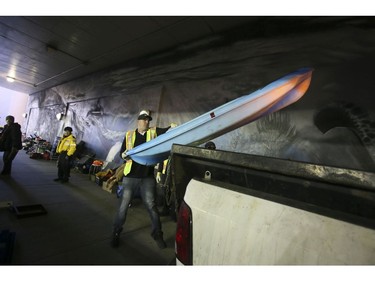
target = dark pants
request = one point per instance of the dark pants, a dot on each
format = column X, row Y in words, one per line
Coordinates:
column 63, row 166
column 8, row 158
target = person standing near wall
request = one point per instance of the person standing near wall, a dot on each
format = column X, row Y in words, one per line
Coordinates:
column 65, row 148
column 10, row 143
column 139, row 179
column 161, row 176
column 210, row 145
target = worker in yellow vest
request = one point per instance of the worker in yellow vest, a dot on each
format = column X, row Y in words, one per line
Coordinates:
column 139, row 179
column 65, row 148
column 161, row 175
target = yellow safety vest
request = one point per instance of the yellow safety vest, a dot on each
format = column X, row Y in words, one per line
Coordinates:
column 165, row 164
column 130, row 139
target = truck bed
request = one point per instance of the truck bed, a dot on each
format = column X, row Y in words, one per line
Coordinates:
column 249, row 209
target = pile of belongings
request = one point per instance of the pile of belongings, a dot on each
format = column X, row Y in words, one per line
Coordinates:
column 112, row 177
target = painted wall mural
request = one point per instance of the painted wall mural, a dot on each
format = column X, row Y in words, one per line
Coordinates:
column 333, row 124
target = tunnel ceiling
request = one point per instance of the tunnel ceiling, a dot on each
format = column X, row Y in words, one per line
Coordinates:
column 40, row 52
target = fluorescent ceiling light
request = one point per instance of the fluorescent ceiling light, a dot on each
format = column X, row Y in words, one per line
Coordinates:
column 10, row 79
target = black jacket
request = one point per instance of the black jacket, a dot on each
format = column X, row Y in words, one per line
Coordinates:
column 11, row 137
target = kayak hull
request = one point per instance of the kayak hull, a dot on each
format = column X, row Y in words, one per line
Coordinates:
column 227, row 117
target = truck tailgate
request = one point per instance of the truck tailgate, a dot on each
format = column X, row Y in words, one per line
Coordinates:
column 231, row 227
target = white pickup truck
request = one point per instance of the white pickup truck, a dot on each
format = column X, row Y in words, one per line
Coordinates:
column 239, row 209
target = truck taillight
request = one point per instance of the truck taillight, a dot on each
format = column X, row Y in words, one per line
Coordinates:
column 184, row 233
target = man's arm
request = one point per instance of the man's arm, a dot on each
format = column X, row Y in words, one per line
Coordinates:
column 72, row 147
column 160, row 131
column 123, row 147
column 16, row 138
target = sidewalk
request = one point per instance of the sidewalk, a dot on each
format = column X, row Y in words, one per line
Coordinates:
column 77, row 227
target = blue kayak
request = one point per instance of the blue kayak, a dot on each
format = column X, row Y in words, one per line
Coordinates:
column 226, row 118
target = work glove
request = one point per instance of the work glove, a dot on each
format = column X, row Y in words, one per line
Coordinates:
column 158, row 177
column 173, row 125
column 124, row 156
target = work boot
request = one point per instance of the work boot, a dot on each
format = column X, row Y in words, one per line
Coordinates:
column 57, row 179
column 160, row 241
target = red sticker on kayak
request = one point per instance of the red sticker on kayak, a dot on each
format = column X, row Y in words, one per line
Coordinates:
column 212, row 114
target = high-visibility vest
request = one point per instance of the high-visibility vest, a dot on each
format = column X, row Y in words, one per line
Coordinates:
column 165, row 164
column 130, row 139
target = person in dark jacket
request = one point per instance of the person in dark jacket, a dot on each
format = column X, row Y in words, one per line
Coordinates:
column 10, row 143
column 210, row 145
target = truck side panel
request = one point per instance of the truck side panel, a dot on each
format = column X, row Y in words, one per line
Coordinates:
column 235, row 228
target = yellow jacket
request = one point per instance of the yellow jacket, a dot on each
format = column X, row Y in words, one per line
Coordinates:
column 67, row 144
column 130, row 139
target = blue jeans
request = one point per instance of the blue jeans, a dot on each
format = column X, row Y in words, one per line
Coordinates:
column 146, row 188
